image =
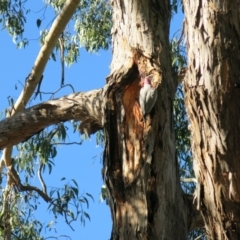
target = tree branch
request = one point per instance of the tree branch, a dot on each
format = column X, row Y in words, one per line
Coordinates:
column 86, row 107
column 35, row 75
column 50, row 41
column 188, row 180
column 17, row 182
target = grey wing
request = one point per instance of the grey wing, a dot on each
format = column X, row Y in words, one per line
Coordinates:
column 152, row 97
column 142, row 100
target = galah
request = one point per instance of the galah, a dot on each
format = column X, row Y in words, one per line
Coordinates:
column 147, row 97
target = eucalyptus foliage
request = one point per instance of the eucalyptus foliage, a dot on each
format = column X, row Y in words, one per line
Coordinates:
column 90, row 26
column 37, row 155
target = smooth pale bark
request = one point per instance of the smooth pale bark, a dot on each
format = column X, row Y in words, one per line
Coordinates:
column 140, row 165
column 40, row 63
column 213, row 102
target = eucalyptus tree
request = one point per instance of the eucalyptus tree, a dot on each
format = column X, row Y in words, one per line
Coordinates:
column 140, row 167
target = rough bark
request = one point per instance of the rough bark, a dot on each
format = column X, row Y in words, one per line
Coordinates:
column 213, row 102
column 85, row 107
column 140, row 167
column 140, row 163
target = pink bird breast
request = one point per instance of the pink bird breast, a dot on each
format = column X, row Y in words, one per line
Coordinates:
column 147, row 80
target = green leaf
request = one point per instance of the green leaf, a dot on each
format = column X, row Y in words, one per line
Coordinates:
column 53, row 57
column 71, row 214
column 39, row 21
column 75, row 182
column 88, row 194
column 86, row 201
column 87, row 216
column 75, row 190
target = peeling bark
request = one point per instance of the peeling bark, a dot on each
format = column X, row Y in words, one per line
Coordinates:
column 213, row 103
column 140, row 167
column 140, row 163
column 85, row 107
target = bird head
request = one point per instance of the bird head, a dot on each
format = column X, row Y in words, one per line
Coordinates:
column 146, row 80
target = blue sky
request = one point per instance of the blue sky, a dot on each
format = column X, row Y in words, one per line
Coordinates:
column 82, row 163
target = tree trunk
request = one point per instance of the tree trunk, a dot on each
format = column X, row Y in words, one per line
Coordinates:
column 213, row 104
column 140, row 167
